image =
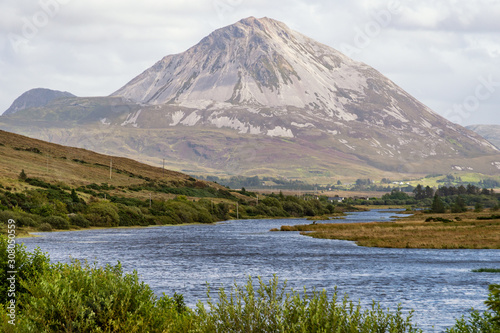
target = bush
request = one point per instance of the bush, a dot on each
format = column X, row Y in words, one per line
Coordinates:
column 45, row 227
column 79, row 220
column 22, row 219
column 56, row 222
column 271, row 308
column 487, row 322
column 83, row 298
column 28, row 266
column 103, row 214
column 130, row 215
column 26, row 221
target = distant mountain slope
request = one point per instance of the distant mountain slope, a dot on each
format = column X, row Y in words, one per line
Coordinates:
column 257, row 98
column 36, row 98
column 489, row 132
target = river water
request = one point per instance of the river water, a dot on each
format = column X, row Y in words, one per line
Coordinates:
column 437, row 284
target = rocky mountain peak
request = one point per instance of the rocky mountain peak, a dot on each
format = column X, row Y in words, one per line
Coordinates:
column 254, row 62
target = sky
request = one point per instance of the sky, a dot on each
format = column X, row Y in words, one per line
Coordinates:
column 446, row 53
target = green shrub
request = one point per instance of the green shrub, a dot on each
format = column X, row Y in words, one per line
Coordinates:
column 103, row 214
column 26, row 221
column 28, row 266
column 56, row 222
column 6, row 215
column 270, row 308
column 22, row 219
column 130, row 215
column 486, row 322
column 84, row 298
column 45, row 227
column 79, row 220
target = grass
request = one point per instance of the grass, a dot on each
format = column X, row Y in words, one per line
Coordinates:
column 486, row 270
column 58, row 164
column 466, row 232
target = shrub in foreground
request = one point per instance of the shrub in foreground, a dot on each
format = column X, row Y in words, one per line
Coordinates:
column 486, row 322
column 28, row 266
column 79, row 297
column 270, row 308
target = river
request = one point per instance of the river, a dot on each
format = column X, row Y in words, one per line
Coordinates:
column 437, row 284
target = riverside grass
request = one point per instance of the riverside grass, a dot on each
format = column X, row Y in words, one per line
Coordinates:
column 464, row 231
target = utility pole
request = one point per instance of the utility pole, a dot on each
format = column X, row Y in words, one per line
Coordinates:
column 163, row 170
column 237, row 212
column 110, row 167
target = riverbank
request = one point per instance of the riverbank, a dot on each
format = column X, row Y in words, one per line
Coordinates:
column 30, row 232
column 469, row 230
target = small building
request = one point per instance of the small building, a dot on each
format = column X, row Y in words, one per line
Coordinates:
column 336, row 199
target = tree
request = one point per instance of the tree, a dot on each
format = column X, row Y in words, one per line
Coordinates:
column 462, row 190
column 429, row 192
column 22, row 176
column 459, row 206
column 74, row 196
column 419, row 192
column 437, row 205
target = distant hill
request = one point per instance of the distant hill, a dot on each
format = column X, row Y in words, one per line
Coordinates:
column 489, row 132
column 35, row 98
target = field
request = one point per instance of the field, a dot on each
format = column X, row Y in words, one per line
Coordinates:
column 441, row 231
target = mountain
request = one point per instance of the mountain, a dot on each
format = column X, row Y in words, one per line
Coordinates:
column 489, row 132
column 36, row 98
column 257, row 98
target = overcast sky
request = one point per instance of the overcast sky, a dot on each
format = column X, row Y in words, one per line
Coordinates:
column 446, row 53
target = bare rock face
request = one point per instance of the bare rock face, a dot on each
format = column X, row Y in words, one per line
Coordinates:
column 299, row 104
column 36, row 98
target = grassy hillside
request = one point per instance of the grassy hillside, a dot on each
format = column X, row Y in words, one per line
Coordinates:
column 45, row 186
column 74, row 166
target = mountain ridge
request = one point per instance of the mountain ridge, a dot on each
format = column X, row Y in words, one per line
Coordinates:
column 37, row 97
column 489, row 132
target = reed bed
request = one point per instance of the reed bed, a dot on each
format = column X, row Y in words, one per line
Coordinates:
column 464, row 231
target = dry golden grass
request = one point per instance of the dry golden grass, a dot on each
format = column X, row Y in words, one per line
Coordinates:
column 73, row 166
column 414, row 232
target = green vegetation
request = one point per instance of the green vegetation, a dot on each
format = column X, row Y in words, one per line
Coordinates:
column 486, row 270
column 80, row 297
column 455, row 199
column 272, row 308
column 487, row 322
column 45, row 206
column 421, row 230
